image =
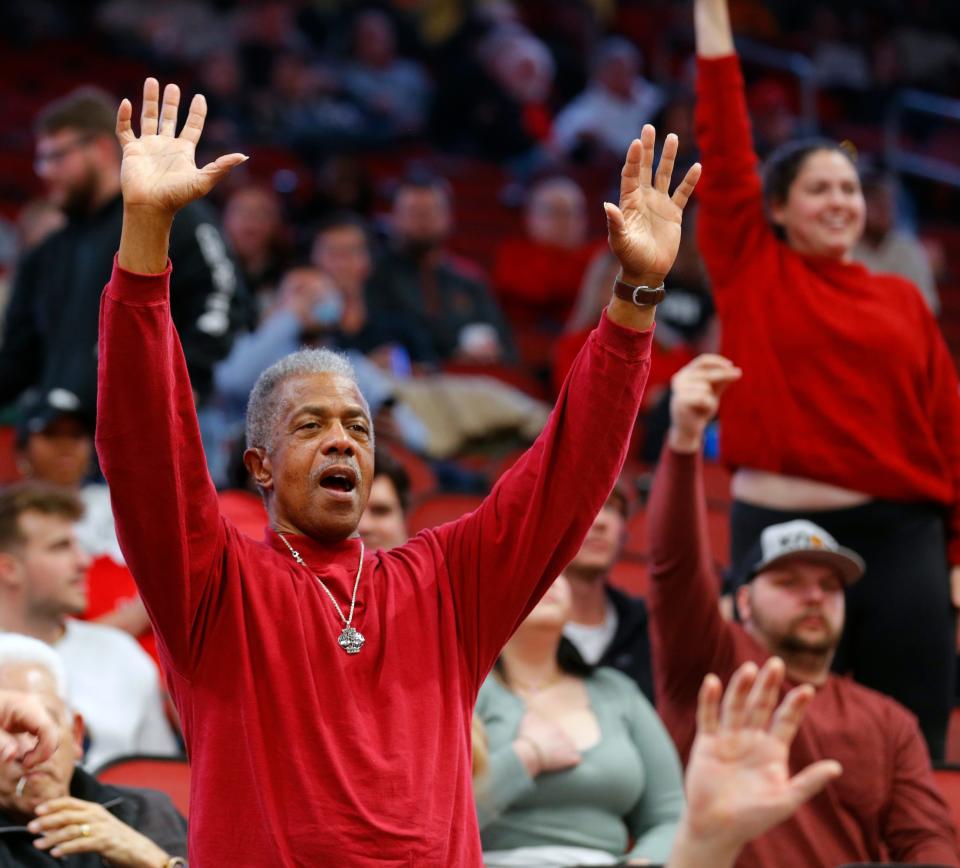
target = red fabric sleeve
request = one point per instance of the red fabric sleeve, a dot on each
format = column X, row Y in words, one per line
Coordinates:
column 148, row 442
column 945, row 416
column 502, row 557
column 731, row 221
column 689, row 636
column 917, row 827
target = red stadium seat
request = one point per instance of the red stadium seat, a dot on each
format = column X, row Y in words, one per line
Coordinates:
column 170, row 775
column 441, row 508
column 422, row 478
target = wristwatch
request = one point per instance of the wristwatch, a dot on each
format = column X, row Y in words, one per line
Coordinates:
column 641, row 296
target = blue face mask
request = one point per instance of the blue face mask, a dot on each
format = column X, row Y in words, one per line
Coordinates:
column 328, row 311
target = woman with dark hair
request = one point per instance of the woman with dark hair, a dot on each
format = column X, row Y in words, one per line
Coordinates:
column 580, row 765
column 848, row 412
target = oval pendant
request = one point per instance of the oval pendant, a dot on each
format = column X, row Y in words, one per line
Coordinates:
column 351, row 640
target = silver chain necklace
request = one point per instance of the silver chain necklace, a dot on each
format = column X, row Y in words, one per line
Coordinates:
column 350, row 639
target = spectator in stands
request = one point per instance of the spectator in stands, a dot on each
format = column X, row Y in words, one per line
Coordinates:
column 253, row 224
column 307, row 311
column 55, row 445
column 579, row 760
column 792, row 606
column 491, row 102
column 50, row 331
column 341, row 250
column 849, row 412
column 113, row 683
column 607, row 626
column 739, row 782
column 418, row 283
column 383, row 524
column 536, row 277
column 56, row 814
column 618, row 101
column 37, row 219
column 392, row 92
column 886, row 249
column 28, row 734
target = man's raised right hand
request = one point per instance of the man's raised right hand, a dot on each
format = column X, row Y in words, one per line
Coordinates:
column 158, row 172
column 697, row 388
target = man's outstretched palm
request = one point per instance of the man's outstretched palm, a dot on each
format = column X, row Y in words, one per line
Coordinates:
column 738, row 778
column 644, row 230
column 158, row 169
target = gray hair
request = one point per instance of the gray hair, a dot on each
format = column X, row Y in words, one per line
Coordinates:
column 263, row 406
column 18, row 649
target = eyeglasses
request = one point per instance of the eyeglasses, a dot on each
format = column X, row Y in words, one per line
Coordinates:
column 56, row 155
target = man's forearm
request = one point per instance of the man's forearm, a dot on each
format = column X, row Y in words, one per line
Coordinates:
column 711, row 21
column 144, row 240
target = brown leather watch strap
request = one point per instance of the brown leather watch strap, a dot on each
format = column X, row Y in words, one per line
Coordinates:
column 641, row 296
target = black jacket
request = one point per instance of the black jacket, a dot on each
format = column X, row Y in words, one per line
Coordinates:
column 50, row 330
column 629, row 650
column 151, row 813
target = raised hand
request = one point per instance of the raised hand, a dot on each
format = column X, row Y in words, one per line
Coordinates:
column 158, row 170
column 697, row 388
column 738, row 779
column 644, row 231
column 27, row 732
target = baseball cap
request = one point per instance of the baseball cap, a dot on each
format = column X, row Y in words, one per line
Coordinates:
column 801, row 540
column 39, row 409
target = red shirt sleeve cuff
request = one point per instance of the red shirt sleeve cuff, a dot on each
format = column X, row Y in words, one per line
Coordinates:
column 627, row 343
column 133, row 288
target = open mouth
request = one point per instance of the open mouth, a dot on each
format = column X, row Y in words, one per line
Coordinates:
column 339, row 479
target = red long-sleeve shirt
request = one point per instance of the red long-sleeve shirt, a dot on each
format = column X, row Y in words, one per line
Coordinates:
column 886, row 801
column 846, row 377
column 301, row 754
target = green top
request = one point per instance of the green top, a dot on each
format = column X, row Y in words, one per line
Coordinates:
column 628, row 786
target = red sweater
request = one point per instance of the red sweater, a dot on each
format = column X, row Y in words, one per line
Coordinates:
column 885, row 803
column 847, row 379
column 303, row 755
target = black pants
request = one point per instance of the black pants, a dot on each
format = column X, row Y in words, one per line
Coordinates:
column 900, row 625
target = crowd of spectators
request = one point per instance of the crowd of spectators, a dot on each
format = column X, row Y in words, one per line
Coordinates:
column 366, row 124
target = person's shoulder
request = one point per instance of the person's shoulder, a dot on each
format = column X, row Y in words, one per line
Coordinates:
column 45, row 250
column 102, row 638
column 465, row 269
column 872, row 703
column 615, row 684
column 624, row 602
column 153, row 800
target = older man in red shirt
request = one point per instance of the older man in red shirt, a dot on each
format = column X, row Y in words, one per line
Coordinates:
column 325, row 692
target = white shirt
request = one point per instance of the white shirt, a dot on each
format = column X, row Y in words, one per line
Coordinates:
column 114, row 684
column 592, row 641
column 615, row 122
column 96, row 531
